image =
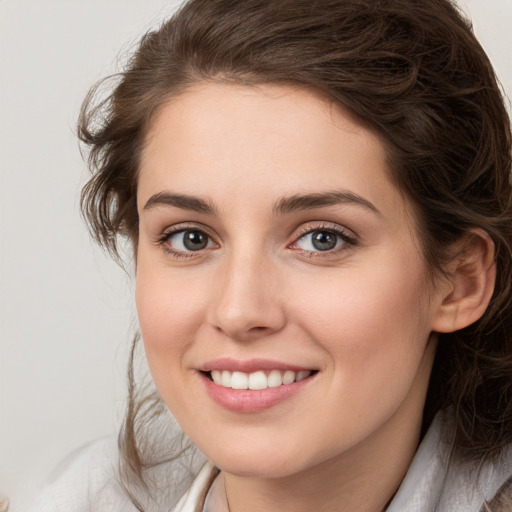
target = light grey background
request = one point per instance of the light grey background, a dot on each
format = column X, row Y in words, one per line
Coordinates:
column 66, row 311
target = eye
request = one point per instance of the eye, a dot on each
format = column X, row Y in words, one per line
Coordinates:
column 323, row 240
column 319, row 241
column 188, row 240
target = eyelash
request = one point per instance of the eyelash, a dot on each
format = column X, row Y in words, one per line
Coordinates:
column 341, row 234
column 164, row 238
column 346, row 240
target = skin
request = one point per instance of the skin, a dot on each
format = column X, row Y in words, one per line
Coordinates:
column 361, row 315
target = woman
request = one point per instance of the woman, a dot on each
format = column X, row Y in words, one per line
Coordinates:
column 319, row 202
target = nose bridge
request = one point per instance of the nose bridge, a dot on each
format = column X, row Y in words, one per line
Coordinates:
column 247, row 304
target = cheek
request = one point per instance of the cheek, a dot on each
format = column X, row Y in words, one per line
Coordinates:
column 168, row 318
column 373, row 323
column 386, row 292
column 170, row 313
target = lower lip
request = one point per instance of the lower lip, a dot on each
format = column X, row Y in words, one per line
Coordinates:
column 247, row 400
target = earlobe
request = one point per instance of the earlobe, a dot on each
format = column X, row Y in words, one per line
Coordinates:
column 470, row 283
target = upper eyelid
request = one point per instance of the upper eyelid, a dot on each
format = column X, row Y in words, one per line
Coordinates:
column 308, row 227
column 187, row 226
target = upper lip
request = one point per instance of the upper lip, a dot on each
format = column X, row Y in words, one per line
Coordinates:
column 249, row 366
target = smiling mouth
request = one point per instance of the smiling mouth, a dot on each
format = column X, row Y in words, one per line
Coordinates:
column 257, row 380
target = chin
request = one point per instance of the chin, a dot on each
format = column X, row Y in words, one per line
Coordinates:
column 259, row 458
column 252, row 466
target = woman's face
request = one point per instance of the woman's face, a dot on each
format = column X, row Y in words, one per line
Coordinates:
column 276, row 253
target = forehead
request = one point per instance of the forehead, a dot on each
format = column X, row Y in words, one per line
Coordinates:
column 236, row 141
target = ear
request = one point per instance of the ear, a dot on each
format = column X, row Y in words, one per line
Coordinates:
column 469, row 285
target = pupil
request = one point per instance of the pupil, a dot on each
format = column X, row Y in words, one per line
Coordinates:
column 194, row 240
column 323, row 240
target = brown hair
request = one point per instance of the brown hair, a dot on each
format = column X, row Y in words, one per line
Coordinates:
column 411, row 70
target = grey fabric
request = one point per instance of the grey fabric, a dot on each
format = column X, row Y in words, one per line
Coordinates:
column 435, row 482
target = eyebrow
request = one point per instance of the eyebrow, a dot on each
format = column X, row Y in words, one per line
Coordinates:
column 317, row 200
column 182, row 201
column 284, row 205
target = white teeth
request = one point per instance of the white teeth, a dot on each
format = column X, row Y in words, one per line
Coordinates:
column 239, row 380
column 302, row 375
column 288, row 377
column 257, row 380
column 274, row 379
column 226, row 379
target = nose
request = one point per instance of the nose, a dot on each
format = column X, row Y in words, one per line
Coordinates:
column 247, row 304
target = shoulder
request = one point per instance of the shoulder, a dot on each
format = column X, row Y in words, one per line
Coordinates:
column 438, row 481
column 477, row 486
column 86, row 480
column 502, row 500
column 495, row 483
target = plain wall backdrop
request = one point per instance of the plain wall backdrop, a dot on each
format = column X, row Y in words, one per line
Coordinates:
column 66, row 311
